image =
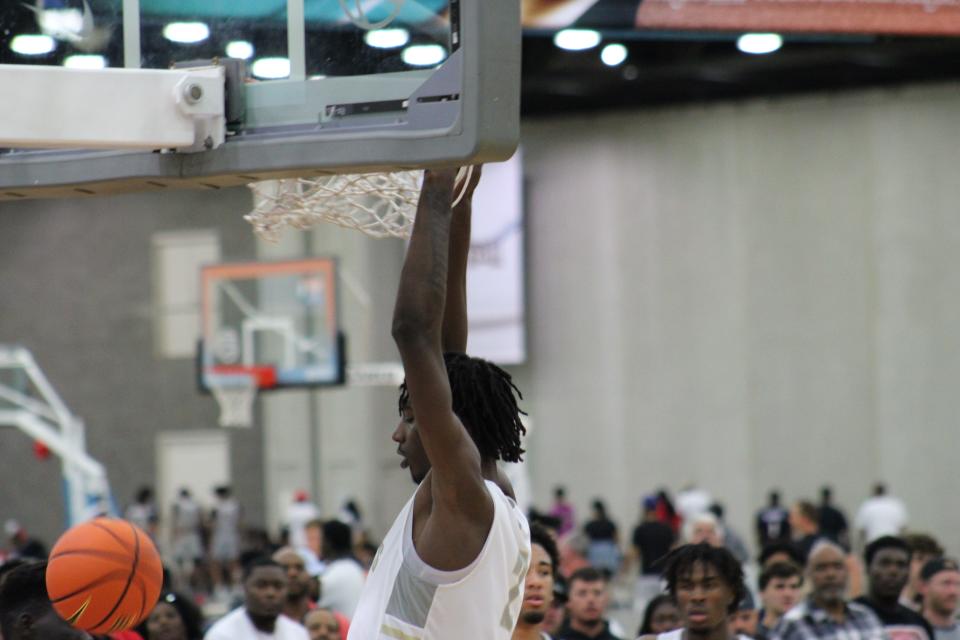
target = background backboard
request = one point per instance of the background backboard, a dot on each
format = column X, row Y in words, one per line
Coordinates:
column 274, row 321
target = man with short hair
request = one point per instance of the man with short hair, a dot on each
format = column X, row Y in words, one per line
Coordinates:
column 264, row 596
column 342, row 579
column 880, row 515
column 773, row 522
column 707, row 584
column 780, row 590
column 923, row 549
column 833, row 524
column 25, row 609
column 826, row 614
column 298, row 601
column 589, row 595
column 940, row 586
column 888, row 568
column 538, row 587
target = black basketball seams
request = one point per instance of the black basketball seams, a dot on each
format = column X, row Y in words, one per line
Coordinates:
column 119, row 574
column 113, row 535
column 98, row 553
column 130, row 575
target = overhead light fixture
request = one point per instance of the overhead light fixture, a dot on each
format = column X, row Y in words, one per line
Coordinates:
column 186, row 32
column 613, row 55
column 424, row 55
column 387, row 38
column 84, row 61
column 240, row 49
column 271, row 68
column 759, row 43
column 32, row 44
column 577, row 39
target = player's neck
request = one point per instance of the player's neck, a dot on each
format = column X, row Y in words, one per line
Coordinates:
column 721, row 632
column 526, row 632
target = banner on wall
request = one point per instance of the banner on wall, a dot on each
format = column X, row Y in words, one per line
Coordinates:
column 895, row 17
column 495, row 274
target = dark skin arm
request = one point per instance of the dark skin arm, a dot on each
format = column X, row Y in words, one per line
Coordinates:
column 460, row 511
column 454, row 334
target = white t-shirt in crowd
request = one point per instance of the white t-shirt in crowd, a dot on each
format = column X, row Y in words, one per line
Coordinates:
column 881, row 516
column 692, row 502
column 341, row 584
column 236, row 625
column 298, row 515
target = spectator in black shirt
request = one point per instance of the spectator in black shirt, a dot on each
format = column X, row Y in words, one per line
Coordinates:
column 603, row 550
column 833, row 524
column 652, row 539
column 888, row 568
column 773, row 523
column 779, row 552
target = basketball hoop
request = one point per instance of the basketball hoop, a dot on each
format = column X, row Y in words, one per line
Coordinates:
column 235, row 395
column 381, row 205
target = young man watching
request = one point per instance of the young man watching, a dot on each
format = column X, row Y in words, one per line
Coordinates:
column 780, row 590
column 454, row 562
column 940, row 586
column 587, row 606
column 538, row 587
column 264, row 597
column 826, row 614
column 298, row 601
column 707, row 584
column 888, row 569
column 923, row 549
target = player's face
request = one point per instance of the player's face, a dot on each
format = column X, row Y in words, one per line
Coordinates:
column 165, row 623
column 409, row 446
column 538, row 588
column 828, row 575
column 296, row 568
column 781, row 595
column 889, row 571
column 665, row 618
column 942, row 592
column 322, row 625
column 588, row 600
column 265, row 591
column 703, row 597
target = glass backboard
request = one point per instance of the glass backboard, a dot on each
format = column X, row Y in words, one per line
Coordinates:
column 328, row 86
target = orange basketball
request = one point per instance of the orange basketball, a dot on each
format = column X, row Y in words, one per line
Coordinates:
column 104, row 575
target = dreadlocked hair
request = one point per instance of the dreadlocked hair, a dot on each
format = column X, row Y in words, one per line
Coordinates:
column 679, row 564
column 485, row 400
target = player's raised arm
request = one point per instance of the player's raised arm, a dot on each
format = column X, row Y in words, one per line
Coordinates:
column 418, row 319
column 454, row 336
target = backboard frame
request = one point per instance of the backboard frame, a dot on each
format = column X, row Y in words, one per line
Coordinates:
column 267, row 376
column 479, row 84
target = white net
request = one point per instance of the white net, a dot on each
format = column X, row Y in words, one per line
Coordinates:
column 236, row 401
column 382, row 205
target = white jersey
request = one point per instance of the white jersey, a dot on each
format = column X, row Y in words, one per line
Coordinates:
column 406, row 598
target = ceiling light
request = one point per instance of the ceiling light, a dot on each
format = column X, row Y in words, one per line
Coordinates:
column 424, row 55
column 577, row 39
column 758, row 43
column 32, row 44
column 613, row 54
column 387, row 38
column 186, row 32
column 271, row 68
column 240, row 49
column 81, row 61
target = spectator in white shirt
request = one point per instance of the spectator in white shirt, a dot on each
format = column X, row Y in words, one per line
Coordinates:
column 881, row 515
column 342, row 580
column 264, row 596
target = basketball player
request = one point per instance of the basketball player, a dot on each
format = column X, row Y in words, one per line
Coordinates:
column 707, row 584
column 25, row 609
column 454, row 562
